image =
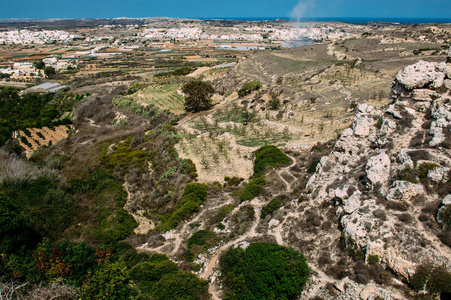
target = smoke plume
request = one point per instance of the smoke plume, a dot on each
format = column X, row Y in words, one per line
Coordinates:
column 302, row 9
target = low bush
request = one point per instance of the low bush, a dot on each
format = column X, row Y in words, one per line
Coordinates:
column 193, row 196
column 420, row 277
column 271, row 207
column 269, row 156
column 252, row 189
column 373, row 259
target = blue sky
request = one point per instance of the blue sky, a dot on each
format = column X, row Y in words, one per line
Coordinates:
column 220, row 9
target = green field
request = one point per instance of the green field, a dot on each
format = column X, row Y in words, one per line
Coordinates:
column 162, row 96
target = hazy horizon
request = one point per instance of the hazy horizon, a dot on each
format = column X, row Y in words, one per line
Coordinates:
column 232, row 9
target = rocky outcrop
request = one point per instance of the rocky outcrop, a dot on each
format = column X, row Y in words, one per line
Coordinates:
column 420, row 75
column 382, row 180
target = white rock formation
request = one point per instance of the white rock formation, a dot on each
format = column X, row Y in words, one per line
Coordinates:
column 419, row 75
column 404, row 191
column 378, row 168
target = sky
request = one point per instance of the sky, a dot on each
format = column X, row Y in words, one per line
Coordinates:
column 43, row 9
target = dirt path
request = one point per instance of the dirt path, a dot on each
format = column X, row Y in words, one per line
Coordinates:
column 286, row 171
column 198, row 71
column 257, row 204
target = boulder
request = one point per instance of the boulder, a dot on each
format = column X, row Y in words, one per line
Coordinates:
column 436, row 130
column 357, row 226
column 378, row 168
column 419, row 75
column 404, row 191
column 393, row 111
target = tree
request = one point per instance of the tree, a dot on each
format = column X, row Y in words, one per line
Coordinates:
column 40, row 65
column 49, row 72
column 198, row 95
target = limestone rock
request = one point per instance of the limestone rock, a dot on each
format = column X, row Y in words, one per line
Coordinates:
column 424, row 95
column 388, row 126
column 405, row 160
column 404, row 191
column 378, row 168
column 393, row 111
column 352, row 203
column 369, row 292
column 438, row 175
column 436, row 130
column 419, row 75
column 362, row 124
column 447, row 83
column 447, row 200
column 340, row 285
column 357, row 226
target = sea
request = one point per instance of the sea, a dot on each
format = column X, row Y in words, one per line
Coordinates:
column 345, row 19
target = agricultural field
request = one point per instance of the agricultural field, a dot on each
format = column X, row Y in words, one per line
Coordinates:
column 31, row 139
column 162, row 96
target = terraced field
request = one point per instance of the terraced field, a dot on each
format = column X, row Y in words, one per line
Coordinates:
column 44, row 136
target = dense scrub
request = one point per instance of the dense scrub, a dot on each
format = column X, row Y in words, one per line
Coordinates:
column 263, row 271
column 32, row 110
column 249, row 87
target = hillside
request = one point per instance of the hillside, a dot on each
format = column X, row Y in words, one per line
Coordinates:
column 326, row 166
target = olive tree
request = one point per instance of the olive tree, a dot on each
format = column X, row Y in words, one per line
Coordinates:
column 197, row 95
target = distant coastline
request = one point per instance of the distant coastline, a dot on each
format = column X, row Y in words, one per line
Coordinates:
column 353, row 20
column 345, row 19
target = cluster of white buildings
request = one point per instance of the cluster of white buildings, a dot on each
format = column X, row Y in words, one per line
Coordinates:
column 24, row 36
column 21, row 70
column 59, row 64
column 245, row 34
column 26, row 70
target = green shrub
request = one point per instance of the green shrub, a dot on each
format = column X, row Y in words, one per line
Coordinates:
column 248, row 87
column 271, row 207
column 373, row 259
column 193, row 196
column 263, row 271
column 268, row 156
column 123, row 157
column 439, row 281
column 274, row 104
column 109, row 282
column 181, row 286
column 252, row 189
column 420, row 277
column 200, row 238
column 424, row 168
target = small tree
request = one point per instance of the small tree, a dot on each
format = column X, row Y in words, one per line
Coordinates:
column 40, row 65
column 49, row 72
column 198, row 95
